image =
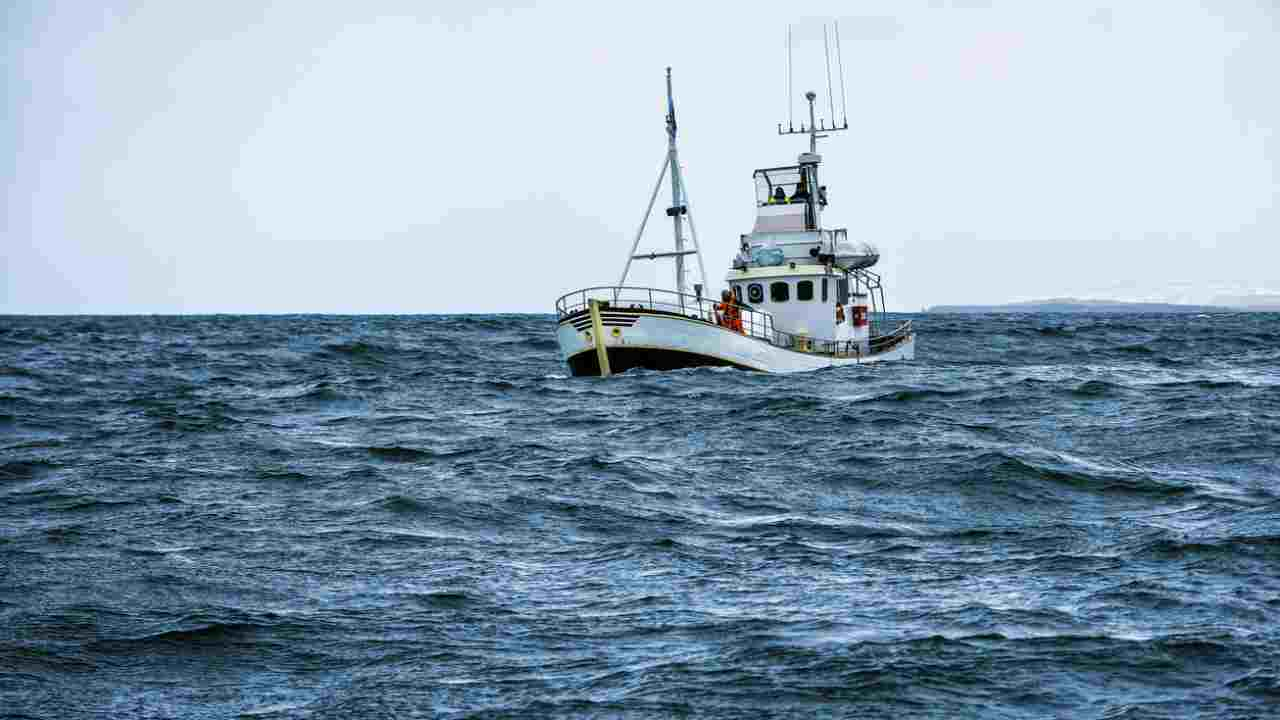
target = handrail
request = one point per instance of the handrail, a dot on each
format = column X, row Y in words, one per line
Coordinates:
column 755, row 323
column 875, row 343
column 618, row 288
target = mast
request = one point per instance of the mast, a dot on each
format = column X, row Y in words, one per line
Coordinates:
column 813, row 126
column 677, row 208
column 809, row 167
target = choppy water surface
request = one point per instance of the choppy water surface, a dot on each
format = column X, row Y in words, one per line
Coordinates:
column 283, row 517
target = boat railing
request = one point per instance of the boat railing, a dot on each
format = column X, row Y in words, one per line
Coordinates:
column 879, row 342
column 883, row 341
column 755, row 323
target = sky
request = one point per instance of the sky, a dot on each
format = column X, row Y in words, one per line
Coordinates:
column 424, row 157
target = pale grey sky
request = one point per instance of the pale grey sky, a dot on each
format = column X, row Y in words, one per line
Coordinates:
column 417, row 157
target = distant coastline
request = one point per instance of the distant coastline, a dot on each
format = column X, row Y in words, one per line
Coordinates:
column 1073, row 305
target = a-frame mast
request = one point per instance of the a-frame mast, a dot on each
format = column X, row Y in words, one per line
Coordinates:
column 679, row 208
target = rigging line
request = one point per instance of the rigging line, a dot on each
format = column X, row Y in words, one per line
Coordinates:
column 644, row 221
column 826, row 50
column 844, row 106
column 702, row 270
column 791, row 110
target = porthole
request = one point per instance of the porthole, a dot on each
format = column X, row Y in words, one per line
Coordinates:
column 755, row 293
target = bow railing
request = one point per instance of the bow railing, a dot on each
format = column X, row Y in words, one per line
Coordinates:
column 755, row 323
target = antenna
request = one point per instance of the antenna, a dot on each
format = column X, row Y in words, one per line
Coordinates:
column 826, row 53
column 844, row 106
column 814, row 125
column 791, row 104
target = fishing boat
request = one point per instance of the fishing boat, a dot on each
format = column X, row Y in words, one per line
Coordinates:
column 802, row 295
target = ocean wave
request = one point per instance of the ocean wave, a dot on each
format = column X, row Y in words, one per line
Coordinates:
column 1074, row 473
column 1097, row 389
column 19, row 372
column 1258, row 682
column 785, row 405
column 811, row 528
column 189, row 636
column 404, row 504
column 537, row 343
column 25, row 469
column 354, row 348
column 283, row 475
column 399, row 454
column 915, row 394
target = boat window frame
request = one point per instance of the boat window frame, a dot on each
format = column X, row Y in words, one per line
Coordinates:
column 737, row 293
column 824, row 290
column 751, row 296
column 774, row 295
column 800, row 293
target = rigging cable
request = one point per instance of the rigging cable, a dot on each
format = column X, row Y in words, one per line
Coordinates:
column 791, row 110
column 844, row 106
column 702, row 270
column 826, row 50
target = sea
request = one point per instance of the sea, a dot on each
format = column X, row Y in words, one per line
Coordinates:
column 1041, row 516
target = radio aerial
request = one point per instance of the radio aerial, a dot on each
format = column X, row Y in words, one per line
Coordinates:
column 816, row 125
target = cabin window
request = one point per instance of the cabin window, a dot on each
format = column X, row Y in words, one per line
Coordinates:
column 804, row 290
column 779, row 292
column 755, row 293
column 824, row 289
column 737, row 293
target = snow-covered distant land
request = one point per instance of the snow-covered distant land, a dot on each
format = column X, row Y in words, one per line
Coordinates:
column 1247, row 303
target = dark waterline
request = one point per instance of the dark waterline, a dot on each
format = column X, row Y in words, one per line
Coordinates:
column 314, row 516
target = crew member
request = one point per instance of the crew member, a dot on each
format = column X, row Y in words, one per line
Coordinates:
column 802, row 191
column 727, row 312
column 779, row 196
column 735, row 315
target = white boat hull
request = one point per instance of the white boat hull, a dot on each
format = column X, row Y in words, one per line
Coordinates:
column 667, row 341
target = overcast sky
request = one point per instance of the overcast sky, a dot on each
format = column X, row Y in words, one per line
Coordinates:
column 420, row 157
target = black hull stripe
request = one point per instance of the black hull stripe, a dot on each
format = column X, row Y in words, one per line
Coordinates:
column 657, row 358
column 622, row 359
column 579, row 325
column 585, row 316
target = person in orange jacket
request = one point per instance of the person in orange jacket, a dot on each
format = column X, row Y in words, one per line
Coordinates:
column 728, row 314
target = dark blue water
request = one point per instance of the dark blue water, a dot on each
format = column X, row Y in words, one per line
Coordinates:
column 297, row 517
